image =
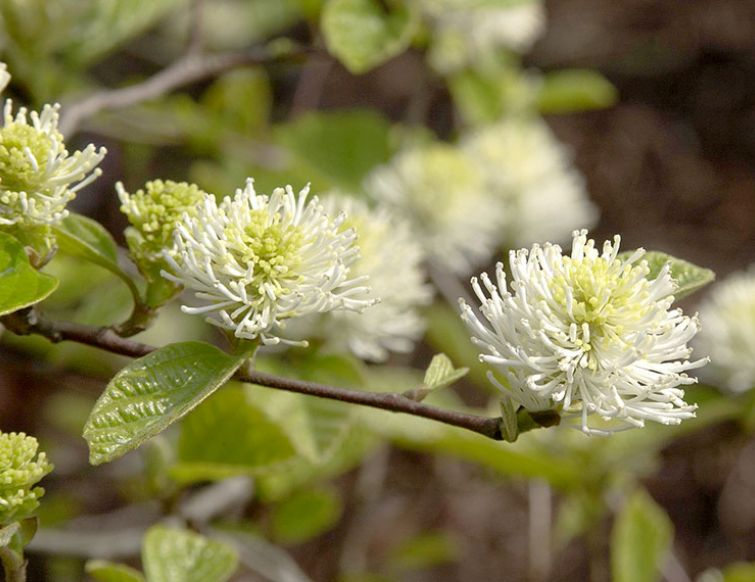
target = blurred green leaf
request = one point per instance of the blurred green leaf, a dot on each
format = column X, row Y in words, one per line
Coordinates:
column 688, row 276
column 105, row 571
column 740, row 572
column 641, row 536
column 570, row 90
column 424, row 551
column 341, row 147
column 305, row 514
column 177, row 555
column 228, row 436
column 85, row 238
column 240, row 99
column 20, row 284
column 441, row 372
column 151, row 393
column 365, row 33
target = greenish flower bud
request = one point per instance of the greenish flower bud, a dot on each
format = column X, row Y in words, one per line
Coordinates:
column 154, row 213
column 21, row 467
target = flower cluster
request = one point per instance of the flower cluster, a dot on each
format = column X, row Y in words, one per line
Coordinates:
column 728, row 335
column 154, row 213
column 20, row 469
column 441, row 192
column 391, row 260
column 587, row 334
column 531, row 174
column 38, row 176
column 256, row 261
column 514, row 26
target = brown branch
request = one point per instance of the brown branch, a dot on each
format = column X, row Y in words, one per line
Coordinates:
column 28, row 322
column 191, row 67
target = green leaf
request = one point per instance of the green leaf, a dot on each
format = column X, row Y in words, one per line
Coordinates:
column 153, row 392
column 20, row 284
column 177, row 555
column 571, row 90
column 305, row 515
column 105, row 571
column 441, row 372
column 342, row 147
column 229, row 436
column 424, row 551
column 365, row 33
column 688, row 276
column 640, row 539
column 83, row 237
column 7, row 532
column 739, row 572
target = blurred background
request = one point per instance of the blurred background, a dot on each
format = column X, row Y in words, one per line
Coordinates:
column 657, row 114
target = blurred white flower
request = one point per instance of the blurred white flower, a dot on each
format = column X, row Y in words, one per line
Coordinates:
column 587, row 334
column 728, row 335
column 467, row 32
column 256, row 261
column 441, row 193
column 4, row 76
column 391, row 259
column 527, row 169
column 38, row 177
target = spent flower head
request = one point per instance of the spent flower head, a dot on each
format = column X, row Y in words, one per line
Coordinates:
column 441, row 193
column 256, row 261
column 531, row 173
column 728, row 335
column 38, row 176
column 588, row 334
column 154, row 213
column 21, row 467
column 392, row 260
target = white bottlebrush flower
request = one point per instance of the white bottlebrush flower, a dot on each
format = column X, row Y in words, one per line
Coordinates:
column 38, row 176
column 467, row 32
column 441, row 193
column 588, row 334
column 256, row 261
column 391, row 259
column 728, row 335
column 526, row 167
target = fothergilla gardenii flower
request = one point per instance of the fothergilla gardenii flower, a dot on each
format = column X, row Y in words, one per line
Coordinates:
column 586, row 334
column 154, row 213
column 20, row 469
column 256, row 261
column 38, row 176
column 728, row 335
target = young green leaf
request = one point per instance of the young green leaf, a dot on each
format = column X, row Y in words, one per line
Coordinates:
column 365, row 33
column 177, row 555
column 640, row 539
column 83, row 237
column 153, row 392
column 229, row 436
column 20, row 284
column 571, row 90
column 688, row 276
column 104, row 571
column 441, row 372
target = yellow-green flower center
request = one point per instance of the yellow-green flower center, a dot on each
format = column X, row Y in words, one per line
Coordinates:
column 273, row 249
column 18, row 171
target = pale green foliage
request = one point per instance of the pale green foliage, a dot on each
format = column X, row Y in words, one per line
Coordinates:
column 364, row 33
column 153, row 392
column 20, row 284
column 178, row 555
column 640, row 539
column 305, row 514
column 21, row 468
column 104, row 571
column 688, row 276
column 441, row 372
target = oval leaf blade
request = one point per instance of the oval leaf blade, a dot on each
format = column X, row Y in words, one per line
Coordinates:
column 177, row 555
column 104, row 571
column 20, row 284
column 688, row 276
column 151, row 393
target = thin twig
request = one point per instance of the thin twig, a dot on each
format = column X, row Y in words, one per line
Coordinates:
column 28, row 322
column 187, row 69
